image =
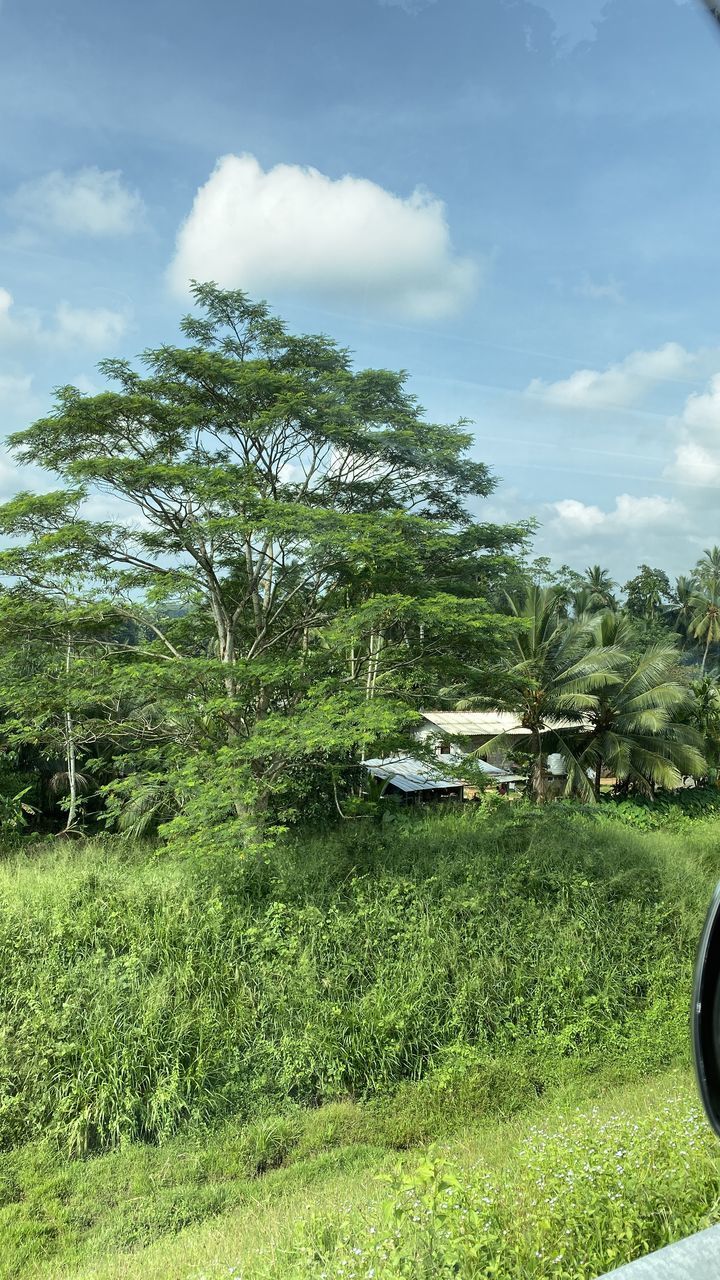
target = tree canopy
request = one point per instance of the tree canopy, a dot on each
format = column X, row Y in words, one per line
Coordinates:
column 282, row 539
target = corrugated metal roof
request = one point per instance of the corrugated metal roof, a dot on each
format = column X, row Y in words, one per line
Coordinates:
column 409, row 774
column 477, row 724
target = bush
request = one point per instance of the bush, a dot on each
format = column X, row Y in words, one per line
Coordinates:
column 667, row 809
column 490, row 954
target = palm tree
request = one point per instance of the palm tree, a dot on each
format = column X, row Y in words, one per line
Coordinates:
column 582, row 603
column 552, row 678
column 707, row 569
column 601, row 588
column 680, row 611
column 705, row 618
column 706, row 716
column 636, row 726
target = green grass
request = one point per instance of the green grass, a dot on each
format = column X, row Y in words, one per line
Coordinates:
column 141, row 995
column 576, row 1195
column 569, row 1190
column 250, row 1044
column 50, row 1205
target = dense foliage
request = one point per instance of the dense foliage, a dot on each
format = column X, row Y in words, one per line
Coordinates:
column 287, row 566
column 139, row 995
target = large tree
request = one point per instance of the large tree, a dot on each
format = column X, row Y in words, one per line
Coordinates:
column 286, row 535
column 647, row 593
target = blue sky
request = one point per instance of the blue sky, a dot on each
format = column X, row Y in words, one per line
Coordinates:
column 517, row 202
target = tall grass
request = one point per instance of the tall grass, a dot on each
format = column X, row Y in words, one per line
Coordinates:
column 507, row 948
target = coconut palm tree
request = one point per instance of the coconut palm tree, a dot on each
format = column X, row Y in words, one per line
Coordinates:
column 552, row 678
column 601, row 587
column 705, row 716
column 705, row 617
column 635, row 727
column 707, row 569
column 582, row 604
column 680, row 610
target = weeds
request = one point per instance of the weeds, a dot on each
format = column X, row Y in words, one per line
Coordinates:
column 487, row 953
column 574, row 1200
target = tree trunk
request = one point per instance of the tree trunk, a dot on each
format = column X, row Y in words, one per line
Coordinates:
column 70, row 748
column 598, row 775
column 707, row 648
column 538, row 773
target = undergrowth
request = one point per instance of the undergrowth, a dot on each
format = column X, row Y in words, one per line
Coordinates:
column 576, row 1198
column 563, row 1192
column 142, row 995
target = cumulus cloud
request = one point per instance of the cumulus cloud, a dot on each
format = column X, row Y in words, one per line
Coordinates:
column 90, row 201
column 623, row 532
column 629, row 513
column 697, row 453
column 95, row 327
column 620, row 385
column 293, row 229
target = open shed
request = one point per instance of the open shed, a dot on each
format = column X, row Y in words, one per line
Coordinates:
column 413, row 779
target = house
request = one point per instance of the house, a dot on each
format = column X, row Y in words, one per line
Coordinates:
column 453, row 735
column 413, row 780
column 476, row 728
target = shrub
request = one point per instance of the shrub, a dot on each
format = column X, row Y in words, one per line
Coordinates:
column 489, row 953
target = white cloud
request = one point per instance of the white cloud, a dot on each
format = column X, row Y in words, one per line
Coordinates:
column 91, row 202
column 89, row 327
column 620, row 385
column 629, row 514
column 697, row 453
column 702, row 410
column 14, row 388
column 695, row 465
column 94, row 327
column 293, row 229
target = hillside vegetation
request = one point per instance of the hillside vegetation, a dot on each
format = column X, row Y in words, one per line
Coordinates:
column 252, row 1042
column 503, row 947
column 567, row 1190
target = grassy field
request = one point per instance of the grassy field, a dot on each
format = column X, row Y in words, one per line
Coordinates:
column 569, row 1189
column 194, row 1060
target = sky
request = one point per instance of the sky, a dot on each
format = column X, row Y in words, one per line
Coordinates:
column 516, row 201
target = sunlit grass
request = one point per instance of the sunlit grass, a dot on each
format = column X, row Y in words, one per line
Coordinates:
column 570, row 1190
column 140, row 995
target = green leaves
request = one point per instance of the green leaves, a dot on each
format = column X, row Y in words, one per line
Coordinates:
column 280, row 533
column 624, row 714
